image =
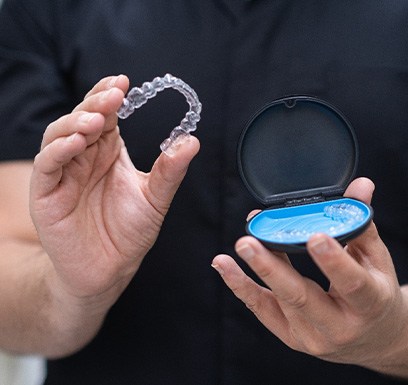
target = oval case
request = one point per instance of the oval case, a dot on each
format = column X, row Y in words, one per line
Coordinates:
column 296, row 157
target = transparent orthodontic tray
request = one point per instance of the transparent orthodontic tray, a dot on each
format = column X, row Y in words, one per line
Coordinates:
column 291, row 227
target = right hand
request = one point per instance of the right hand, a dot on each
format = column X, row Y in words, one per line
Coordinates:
column 361, row 319
column 95, row 213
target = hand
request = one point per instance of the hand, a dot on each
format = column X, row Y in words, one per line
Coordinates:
column 96, row 215
column 362, row 318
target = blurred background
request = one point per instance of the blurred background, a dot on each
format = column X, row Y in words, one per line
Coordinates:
column 21, row 370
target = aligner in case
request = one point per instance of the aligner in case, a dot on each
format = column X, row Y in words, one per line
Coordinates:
column 334, row 219
column 136, row 97
column 296, row 156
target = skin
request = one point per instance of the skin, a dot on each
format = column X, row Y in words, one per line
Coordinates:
column 95, row 217
column 362, row 319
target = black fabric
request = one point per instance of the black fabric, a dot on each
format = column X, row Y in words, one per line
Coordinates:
column 177, row 323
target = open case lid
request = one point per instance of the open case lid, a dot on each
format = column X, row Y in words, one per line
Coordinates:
column 297, row 148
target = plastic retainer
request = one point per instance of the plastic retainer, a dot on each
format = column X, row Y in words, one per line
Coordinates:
column 138, row 96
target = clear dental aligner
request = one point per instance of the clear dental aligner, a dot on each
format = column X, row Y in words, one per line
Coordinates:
column 336, row 219
column 344, row 212
column 136, row 97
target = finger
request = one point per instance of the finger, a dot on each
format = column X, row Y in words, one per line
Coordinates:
column 294, row 292
column 368, row 247
column 354, row 284
column 258, row 299
column 109, row 82
column 282, row 255
column 47, row 169
column 107, row 102
column 89, row 124
column 252, row 214
column 370, row 251
column 167, row 174
column 70, row 137
column 361, row 189
column 105, row 98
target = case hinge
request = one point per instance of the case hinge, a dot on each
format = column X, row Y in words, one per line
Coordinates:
column 304, row 201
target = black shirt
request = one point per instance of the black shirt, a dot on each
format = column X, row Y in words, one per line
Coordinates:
column 177, row 323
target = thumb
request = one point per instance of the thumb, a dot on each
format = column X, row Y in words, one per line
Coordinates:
column 168, row 172
column 362, row 189
column 368, row 245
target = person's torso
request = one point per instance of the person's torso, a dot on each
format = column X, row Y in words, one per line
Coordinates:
column 177, row 323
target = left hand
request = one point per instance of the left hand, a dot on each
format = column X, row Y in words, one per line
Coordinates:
column 96, row 214
column 362, row 319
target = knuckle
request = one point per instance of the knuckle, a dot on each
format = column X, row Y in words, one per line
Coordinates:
column 310, row 344
column 253, row 305
column 354, row 287
column 253, row 300
column 37, row 159
column 316, row 349
column 297, row 300
column 374, row 298
column 345, row 338
column 381, row 301
column 325, row 347
column 264, row 272
column 238, row 289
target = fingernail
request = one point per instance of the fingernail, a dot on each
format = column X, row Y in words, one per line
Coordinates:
column 245, row 251
column 171, row 146
column 121, row 76
column 87, row 117
column 71, row 138
column 319, row 246
column 107, row 94
column 112, row 81
column 218, row 268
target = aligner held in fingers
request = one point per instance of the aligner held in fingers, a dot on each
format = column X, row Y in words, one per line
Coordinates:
column 136, row 97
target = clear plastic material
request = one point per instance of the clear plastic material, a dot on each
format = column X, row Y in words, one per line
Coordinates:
column 335, row 220
column 344, row 213
column 136, row 97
